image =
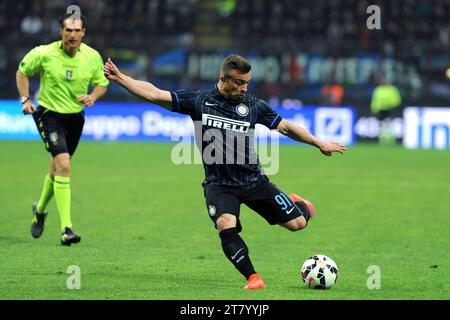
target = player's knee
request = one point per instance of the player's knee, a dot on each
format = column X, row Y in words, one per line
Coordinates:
column 63, row 169
column 296, row 224
column 226, row 221
column 62, row 165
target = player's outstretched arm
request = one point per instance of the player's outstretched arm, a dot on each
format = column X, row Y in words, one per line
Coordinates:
column 142, row 89
column 300, row 134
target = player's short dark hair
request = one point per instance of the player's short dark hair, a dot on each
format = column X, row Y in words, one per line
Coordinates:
column 69, row 15
column 235, row 62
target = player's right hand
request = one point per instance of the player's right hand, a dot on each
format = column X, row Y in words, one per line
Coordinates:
column 28, row 107
column 111, row 71
column 327, row 148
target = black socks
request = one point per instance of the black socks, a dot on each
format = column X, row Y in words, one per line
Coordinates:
column 236, row 251
column 304, row 210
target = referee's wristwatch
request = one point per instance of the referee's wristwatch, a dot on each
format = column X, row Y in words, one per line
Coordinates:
column 24, row 99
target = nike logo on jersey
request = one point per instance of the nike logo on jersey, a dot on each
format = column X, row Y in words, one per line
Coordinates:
column 225, row 123
column 210, row 104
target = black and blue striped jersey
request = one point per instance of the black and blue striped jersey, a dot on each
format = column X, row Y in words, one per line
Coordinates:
column 226, row 139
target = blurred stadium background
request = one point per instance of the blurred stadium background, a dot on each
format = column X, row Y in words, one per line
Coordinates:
column 297, row 49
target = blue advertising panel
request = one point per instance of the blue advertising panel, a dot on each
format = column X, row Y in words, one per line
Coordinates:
column 13, row 124
column 426, row 128
column 111, row 121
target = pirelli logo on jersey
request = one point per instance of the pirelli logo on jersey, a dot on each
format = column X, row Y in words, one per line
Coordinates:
column 225, row 123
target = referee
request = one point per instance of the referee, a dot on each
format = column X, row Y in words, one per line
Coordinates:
column 67, row 68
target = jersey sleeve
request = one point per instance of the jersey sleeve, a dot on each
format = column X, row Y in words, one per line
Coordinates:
column 98, row 78
column 267, row 116
column 32, row 61
column 183, row 101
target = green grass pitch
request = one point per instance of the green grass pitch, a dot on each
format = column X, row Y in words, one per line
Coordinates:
column 146, row 232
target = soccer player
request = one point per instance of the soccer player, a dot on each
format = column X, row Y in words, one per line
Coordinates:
column 230, row 110
column 67, row 68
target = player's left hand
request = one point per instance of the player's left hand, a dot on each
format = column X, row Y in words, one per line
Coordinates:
column 87, row 99
column 327, row 148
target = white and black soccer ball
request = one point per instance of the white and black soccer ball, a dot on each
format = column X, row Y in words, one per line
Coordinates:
column 319, row 272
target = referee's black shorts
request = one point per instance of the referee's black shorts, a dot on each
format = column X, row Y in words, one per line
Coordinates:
column 60, row 132
column 266, row 199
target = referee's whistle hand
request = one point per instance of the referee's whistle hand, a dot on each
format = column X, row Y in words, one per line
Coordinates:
column 87, row 99
column 28, row 107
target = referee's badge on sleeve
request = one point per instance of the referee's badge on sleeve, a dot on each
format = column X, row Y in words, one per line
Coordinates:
column 69, row 74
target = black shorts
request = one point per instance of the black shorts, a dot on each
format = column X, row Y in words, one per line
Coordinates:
column 265, row 199
column 60, row 132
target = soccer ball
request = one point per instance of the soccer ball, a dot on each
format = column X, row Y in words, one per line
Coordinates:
column 319, row 272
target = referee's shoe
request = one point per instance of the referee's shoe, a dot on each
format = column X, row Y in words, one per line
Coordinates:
column 68, row 237
column 38, row 223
